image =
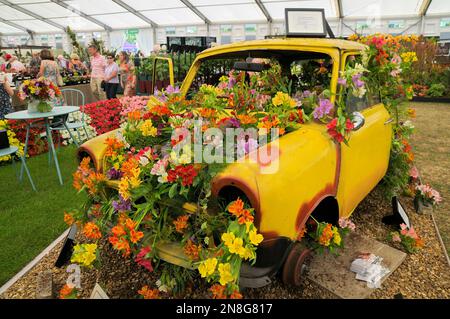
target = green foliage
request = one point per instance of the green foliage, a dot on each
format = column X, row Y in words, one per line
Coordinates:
column 436, row 90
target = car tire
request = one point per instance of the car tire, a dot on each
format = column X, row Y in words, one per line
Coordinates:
column 295, row 265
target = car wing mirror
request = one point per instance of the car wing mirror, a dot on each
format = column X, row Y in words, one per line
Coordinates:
column 358, row 120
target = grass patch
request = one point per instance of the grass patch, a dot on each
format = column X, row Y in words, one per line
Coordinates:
column 30, row 221
column 432, row 156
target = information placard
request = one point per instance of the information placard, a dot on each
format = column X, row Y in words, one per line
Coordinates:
column 305, row 22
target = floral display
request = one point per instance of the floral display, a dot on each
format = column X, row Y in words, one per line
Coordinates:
column 391, row 59
column 12, row 138
column 327, row 236
column 427, row 194
column 104, row 115
column 42, row 90
column 408, row 238
column 151, row 168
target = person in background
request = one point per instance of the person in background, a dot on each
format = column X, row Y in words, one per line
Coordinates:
column 2, row 59
column 111, row 78
column 127, row 76
column 75, row 64
column 98, row 65
column 16, row 66
column 5, row 66
column 5, row 96
column 63, row 63
column 49, row 68
column 35, row 63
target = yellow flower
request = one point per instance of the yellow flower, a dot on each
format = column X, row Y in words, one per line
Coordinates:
column 134, row 180
column 228, row 238
column 148, row 129
column 84, row 254
column 409, row 57
column 207, row 267
column 337, row 237
column 124, row 185
column 283, row 99
column 237, row 247
column 255, row 238
column 248, row 254
column 225, row 274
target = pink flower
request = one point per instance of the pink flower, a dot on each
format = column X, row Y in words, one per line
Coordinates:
column 396, row 238
column 414, row 172
column 347, row 223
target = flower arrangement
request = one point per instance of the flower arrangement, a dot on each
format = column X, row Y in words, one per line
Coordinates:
column 427, row 194
column 42, row 91
column 408, row 238
column 391, row 59
column 12, row 138
column 153, row 164
column 104, row 115
column 327, row 236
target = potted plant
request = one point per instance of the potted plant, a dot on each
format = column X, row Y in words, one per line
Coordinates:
column 426, row 198
column 39, row 94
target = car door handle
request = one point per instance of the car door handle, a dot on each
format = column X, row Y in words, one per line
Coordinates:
column 389, row 121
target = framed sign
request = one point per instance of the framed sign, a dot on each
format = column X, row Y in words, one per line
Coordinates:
column 305, row 22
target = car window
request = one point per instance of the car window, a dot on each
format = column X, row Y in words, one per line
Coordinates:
column 295, row 71
column 369, row 99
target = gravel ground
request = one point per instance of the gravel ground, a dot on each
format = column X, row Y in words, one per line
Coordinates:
column 422, row 275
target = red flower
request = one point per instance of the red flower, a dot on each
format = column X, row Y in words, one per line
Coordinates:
column 338, row 137
column 142, row 260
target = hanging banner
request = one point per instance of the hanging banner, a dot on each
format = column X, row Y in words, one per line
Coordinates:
column 131, row 43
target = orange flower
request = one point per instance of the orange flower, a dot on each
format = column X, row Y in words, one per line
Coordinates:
column 135, row 236
column 65, row 292
column 130, row 224
column 92, row 231
column 412, row 113
column 148, row 293
column 326, row 235
column 236, row 295
column 419, row 243
column 78, row 180
column 218, row 291
column 118, row 231
column 68, row 219
column 247, row 119
column 192, row 250
column 129, row 166
column 134, row 116
column 236, row 207
column 246, row 217
column 301, row 233
column 207, row 113
column 181, row 223
column 121, row 244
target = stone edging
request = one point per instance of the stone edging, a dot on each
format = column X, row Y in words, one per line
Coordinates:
column 33, row 263
column 440, row 239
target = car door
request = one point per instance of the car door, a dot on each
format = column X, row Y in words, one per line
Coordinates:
column 365, row 161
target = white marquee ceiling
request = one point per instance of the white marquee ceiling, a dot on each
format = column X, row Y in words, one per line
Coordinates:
column 50, row 16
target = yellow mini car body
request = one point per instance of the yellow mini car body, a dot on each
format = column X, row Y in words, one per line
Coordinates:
column 315, row 175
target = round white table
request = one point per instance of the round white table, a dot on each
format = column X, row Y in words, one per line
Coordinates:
column 57, row 111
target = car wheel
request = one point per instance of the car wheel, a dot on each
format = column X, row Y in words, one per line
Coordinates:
column 295, row 265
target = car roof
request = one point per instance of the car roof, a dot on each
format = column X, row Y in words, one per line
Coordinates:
column 273, row 43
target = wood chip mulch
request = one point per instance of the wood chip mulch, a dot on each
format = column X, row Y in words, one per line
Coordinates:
column 425, row 274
